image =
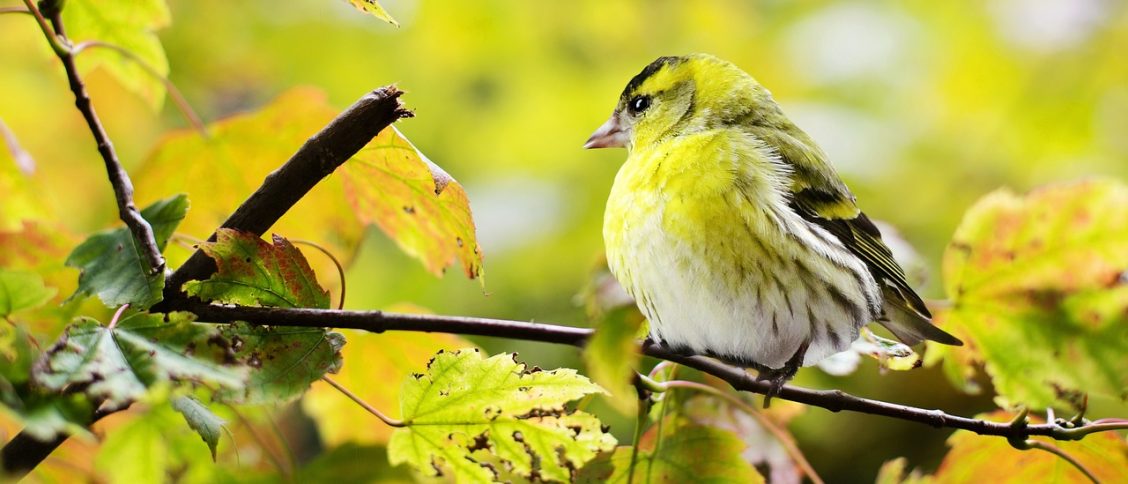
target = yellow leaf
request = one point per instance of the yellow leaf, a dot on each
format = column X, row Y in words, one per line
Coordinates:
column 219, row 172
column 373, row 7
column 391, row 184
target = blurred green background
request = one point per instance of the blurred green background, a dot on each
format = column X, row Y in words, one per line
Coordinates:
column 923, row 106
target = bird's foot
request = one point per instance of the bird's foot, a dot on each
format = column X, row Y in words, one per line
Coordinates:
column 777, row 377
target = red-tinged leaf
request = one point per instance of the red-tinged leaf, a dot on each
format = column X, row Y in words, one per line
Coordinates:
column 1039, row 290
column 392, row 185
column 977, row 458
column 373, row 7
column 256, row 273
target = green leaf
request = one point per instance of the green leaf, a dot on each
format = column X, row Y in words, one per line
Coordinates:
column 283, row 361
column 130, row 24
column 21, row 290
column 255, row 273
column 373, row 7
column 202, row 420
column 612, row 355
column 469, row 411
column 112, row 265
column 762, row 448
column 392, row 184
column 1039, row 285
column 352, row 462
column 135, row 452
column 688, row 453
column 119, row 365
column 386, row 357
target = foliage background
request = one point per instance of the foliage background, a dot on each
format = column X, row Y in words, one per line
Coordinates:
column 923, row 107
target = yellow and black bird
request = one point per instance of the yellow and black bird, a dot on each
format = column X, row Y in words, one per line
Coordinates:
column 734, row 234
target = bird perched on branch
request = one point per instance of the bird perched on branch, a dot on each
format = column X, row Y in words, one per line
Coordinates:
column 734, row 234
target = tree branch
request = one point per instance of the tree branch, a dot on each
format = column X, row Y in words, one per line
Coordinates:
column 739, row 378
column 123, row 187
column 315, row 160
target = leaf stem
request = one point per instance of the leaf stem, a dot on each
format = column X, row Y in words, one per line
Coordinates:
column 117, row 316
column 1053, row 449
column 391, row 422
column 174, row 93
column 57, row 45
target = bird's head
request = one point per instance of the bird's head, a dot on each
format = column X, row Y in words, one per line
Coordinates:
column 680, row 95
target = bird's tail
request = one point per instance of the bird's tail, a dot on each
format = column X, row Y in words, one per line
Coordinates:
column 909, row 325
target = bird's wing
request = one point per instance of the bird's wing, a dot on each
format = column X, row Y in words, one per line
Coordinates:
column 820, row 197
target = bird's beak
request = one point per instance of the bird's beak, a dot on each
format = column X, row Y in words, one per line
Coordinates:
column 610, row 135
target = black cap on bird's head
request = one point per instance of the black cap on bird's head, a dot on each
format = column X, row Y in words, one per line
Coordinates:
column 668, row 96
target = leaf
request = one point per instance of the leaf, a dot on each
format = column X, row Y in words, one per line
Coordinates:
column 467, row 409
column 119, row 365
column 612, row 356
column 426, row 212
column 762, row 449
column 1038, row 285
column 893, row 472
column 255, row 273
column 353, row 463
column 130, row 24
column 283, row 361
column 374, row 365
column 135, row 452
column 202, row 420
column 242, row 150
column 688, row 453
column 975, row 458
column 21, row 290
column 112, row 265
column 373, row 7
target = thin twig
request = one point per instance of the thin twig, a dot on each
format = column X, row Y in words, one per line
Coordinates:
column 173, row 93
column 391, row 422
column 4, row 10
column 739, row 378
column 123, row 187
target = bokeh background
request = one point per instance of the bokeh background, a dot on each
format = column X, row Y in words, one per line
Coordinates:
column 923, row 106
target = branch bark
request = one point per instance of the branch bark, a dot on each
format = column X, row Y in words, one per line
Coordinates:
column 739, row 378
column 315, row 160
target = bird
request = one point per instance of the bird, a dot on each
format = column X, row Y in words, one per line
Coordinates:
column 734, row 234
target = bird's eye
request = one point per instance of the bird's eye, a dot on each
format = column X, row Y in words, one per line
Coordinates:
column 639, row 104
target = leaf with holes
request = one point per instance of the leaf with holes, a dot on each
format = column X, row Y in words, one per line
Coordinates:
column 392, row 184
column 253, row 272
column 1039, row 286
column 131, row 25
column 119, row 365
column 373, row 8
column 112, row 265
column 468, row 412
column 282, row 361
column 386, row 357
